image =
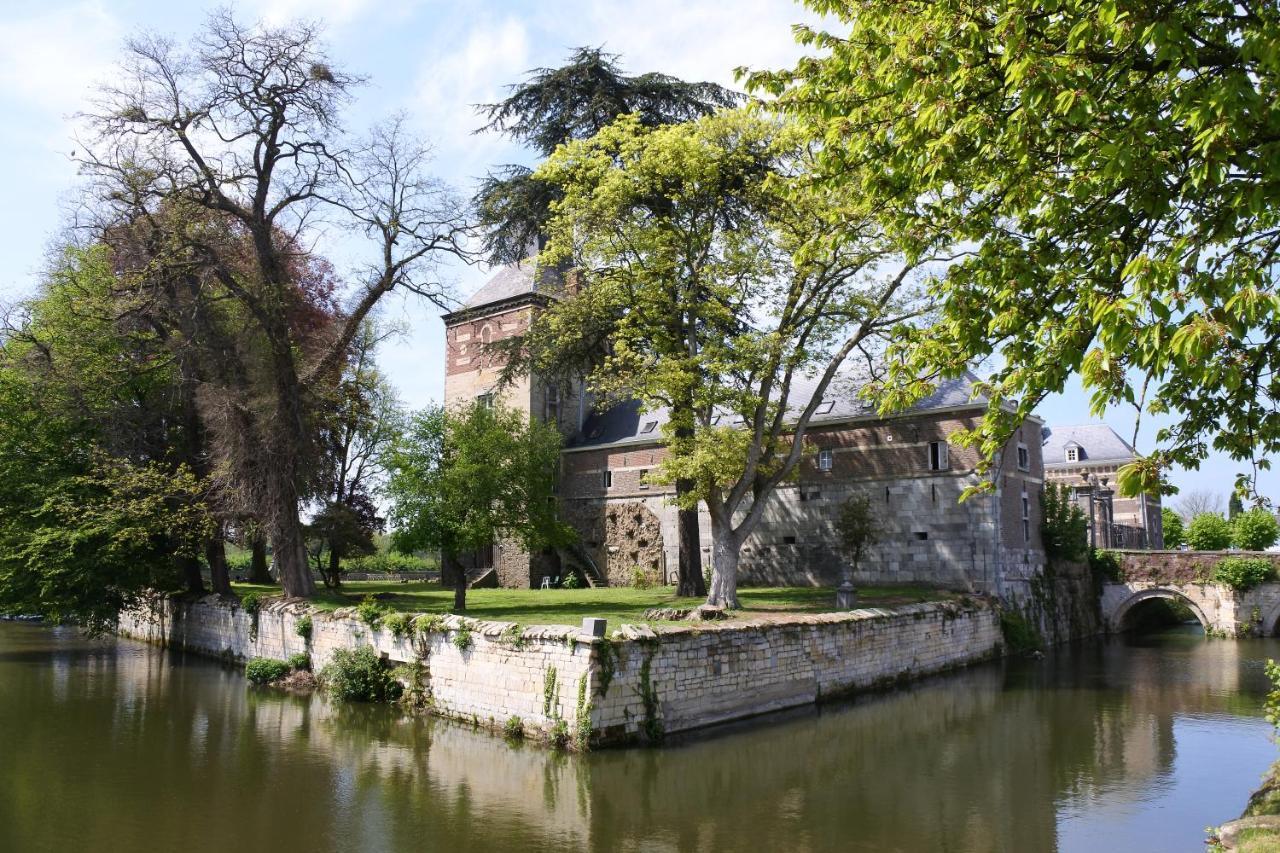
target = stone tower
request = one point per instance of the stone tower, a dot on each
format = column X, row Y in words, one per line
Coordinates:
column 503, row 308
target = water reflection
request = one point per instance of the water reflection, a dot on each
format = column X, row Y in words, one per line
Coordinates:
column 116, row 746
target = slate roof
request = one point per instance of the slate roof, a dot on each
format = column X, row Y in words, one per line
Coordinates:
column 512, row 280
column 627, row 422
column 1097, row 443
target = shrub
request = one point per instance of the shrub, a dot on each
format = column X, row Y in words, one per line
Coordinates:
column 514, row 728
column 462, row 639
column 1209, row 531
column 389, row 564
column 301, row 660
column 265, row 670
column 571, row 581
column 370, row 612
column 640, row 579
column 1065, row 529
column 303, row 628
column 1255, row 530
column 1175, row 534
column 251, row 602
column 240, row 564
column 398, row 624
column 429, row 623
column 360, row 675
column 1105, row 565
column 1241, row 573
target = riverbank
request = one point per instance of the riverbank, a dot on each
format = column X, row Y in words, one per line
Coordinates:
column 633, row 685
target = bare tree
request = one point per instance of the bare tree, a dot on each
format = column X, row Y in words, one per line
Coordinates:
column 1191, row 504
column 244, row 124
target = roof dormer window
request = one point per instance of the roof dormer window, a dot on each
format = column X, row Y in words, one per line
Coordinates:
column 1073, row 454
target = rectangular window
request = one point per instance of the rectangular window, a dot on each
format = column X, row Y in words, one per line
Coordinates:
column 485, row 400
column 922, row 534
column 1024, row 458
column 644, row 472
column 608, row 479
column 825, row 458
column 1073, row 454
column 939, row 456
column 649, row 427
column 552, row 413
column 1026, row 518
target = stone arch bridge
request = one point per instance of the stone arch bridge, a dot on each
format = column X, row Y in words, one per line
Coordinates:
column 1220, row 609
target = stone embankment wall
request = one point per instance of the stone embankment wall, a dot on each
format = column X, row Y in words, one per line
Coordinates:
column 1062, row 602
column 1179, row 567
column 632, row 686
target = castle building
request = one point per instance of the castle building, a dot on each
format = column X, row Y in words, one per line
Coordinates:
column 627, row 526
column 1085, row 459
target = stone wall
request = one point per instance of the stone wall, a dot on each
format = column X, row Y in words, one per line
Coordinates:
column 629, row 687
column 1179, row 566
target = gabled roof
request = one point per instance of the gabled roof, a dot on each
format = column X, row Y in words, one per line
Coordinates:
column 628, row 422
column 1097, row 443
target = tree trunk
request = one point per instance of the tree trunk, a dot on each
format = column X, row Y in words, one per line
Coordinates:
column 191, row 574
column 258, row 564
column 691, row 581
column 333, row 578
column 449, row 565
column 296, row 580
column 725, row 548
column 219, row 578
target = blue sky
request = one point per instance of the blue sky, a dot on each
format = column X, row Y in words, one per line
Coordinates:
column 433, row 60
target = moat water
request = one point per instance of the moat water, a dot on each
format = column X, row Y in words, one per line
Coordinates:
column 110, row 745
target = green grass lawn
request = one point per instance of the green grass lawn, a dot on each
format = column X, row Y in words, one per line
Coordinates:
column 569, row 606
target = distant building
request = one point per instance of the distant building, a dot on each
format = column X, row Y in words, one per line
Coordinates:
column 1085, row 459
column 905, row 463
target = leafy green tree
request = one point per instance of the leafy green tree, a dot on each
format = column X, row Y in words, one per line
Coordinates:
column 1175, row 535
column 558, row 105
column 725, row 297
column 1235, row 506
column 1108, row 172
column 1065, row 528
column 461, row 480
column 1255, row 530
column 1209, row 531
column 857, row 527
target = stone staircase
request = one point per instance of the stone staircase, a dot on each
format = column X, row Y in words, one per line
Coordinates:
column 576, row 555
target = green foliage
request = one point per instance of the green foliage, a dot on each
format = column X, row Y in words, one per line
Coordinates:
column 1243, row 573
column 304, row 627
column 1209, row 531
column 559, row 733
column 429, row 623
column 1105, row 565
column 266, row 670
column 300, row 661
column 1175, row 534
column 571, row 581
column 462, row 637
column 389, row 563
column 1019, row 635
column 360, row 675
column 398, row 624
column 857, row 527
column 1064, row 529
column 1255, row 530
column 513, row 636
column 550, row 691
column 582, row 716
column 1107, row 171
column 640, row 578
column 251, row 602
column 513, row 729
column 1272, row 706
column 370, row 612
column 557, row 105
column 459, row 480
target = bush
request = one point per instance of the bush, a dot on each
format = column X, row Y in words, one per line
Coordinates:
column 240, row 564
column 1255, row 530
column 640, row 579
column 251, row 602
column 429, row 623
column 1241, row 573
column 389, row 564
column 1209, row 531
column 301, row 660
column 462, row 639
column 265, row 670
column 1065, row 530
column 398, row 624
column 360, row 676
column 571, row 581
column 370, row 611
column 303, row 628
column 1105, row 565
column 1175, row 534
column 514, row 728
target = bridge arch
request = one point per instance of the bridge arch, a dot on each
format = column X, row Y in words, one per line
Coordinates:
column 1121, row 612
column 1271, row 621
